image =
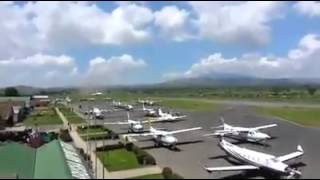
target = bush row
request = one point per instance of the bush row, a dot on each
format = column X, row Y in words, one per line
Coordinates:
column 168, row 174
column 109, row 135
column 65, row 136
column 142, row 156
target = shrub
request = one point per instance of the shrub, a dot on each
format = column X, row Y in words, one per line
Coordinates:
column 135, row 149
column 150, row 160
column 129, row 146
column 140, row 158
column 166, row 172
column 65, row 136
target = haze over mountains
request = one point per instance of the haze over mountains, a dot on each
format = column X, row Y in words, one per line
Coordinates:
column 226, row 80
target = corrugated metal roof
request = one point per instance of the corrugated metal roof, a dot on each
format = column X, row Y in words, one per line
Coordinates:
column 56, row 160
column 17, row 159
column 50, row 162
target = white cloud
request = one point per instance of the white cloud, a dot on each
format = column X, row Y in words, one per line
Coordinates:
column 173, row 22
column 45, row 26
column 48, row 70
column 39, row 70
column 302, row 62
column 308, row 8
column 241, row 22
column 115, row 70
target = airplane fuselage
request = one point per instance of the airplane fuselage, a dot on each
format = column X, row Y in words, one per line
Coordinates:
column 261, row 160
column 135, row 127
column 161, row 137
column 245, row 134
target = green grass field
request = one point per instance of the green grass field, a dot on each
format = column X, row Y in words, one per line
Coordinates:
column 188, row 104
column 71, row 116
column 43, row 116
column 83, row 133
column 119, row 159
column 309, row 117
column 151, row 176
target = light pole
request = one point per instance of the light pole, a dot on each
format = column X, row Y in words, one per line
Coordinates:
column 95, row 144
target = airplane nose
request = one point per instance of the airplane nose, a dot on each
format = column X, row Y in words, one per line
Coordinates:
column 266, row 136
column 173, row 140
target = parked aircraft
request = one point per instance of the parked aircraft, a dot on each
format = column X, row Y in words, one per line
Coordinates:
column 164, row 138
column 120, row 105
column 134, row 126
column 253, row 160
column 168, row 117
column 242, row 133
column 149, row 111
column 147, row 102
column 97, row 93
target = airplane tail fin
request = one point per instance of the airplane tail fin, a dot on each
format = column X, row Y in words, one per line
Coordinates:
column 299, row 148
column 223, row 122
column 149, row 122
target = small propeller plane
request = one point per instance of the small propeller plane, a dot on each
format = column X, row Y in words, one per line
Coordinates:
column 168, row 117
column 120, row 105
column 134, row 126
column 254, row 160
column 149, row 111
column 97, row 113
column 163, row 137
column 147, row 102
column 248, row 134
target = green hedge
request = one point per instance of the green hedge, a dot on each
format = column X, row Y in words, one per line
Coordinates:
column 168, row 174
column 143, row 157
column 65, row 136
column 109, row 135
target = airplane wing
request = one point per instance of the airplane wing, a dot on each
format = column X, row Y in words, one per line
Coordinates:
column 293, row 155
column 116, row 123
column 265, row 127
column 231, row 168
column 220, row 133
column 140, row 135
column 243, row 129
column 159, row 120
column 180, row 117
column 184, row 130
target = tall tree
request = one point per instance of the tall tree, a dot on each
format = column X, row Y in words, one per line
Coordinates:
column 311, row 90
column 11, row 91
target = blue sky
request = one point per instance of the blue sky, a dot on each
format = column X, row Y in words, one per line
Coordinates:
column 90, row 44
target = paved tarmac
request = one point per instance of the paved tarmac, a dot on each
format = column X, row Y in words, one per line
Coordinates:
column 196, row 150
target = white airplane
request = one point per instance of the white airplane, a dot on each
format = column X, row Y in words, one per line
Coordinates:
column 134, row 126
column 164, row 138
column 248, row 134
column 147, row 102
column 97, row 94
column 149, row 111
column 168, row 117
column 254, row 160
column 120, row 105
column 98, row 113
column 67, row 99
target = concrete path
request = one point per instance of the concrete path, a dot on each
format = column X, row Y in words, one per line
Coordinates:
column 99, row 171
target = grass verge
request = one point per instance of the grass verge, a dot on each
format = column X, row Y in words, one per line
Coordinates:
column 309, row 117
